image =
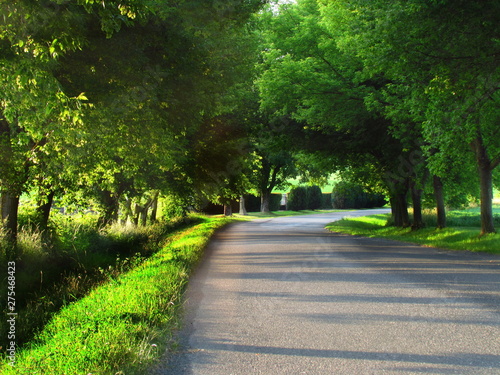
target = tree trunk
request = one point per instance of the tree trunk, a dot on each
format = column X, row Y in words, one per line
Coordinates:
column 154, row 208
column 487, row 224
column 44, row 210
column 137, row 214
column 228, row 210
column 144, row 216
column 141, row 213
column 10, row 209
column 243, row 210
column 264, row 201
column 399, row 208
column 9, row 201
column 485, row 167
column 439, row 196
column 128, row 210
column 416, row 197
column 109, row 202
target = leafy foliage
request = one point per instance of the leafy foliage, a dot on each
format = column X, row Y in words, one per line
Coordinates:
column 352, row 195
column 77, row 119
column 297, row 198
column 314, row 197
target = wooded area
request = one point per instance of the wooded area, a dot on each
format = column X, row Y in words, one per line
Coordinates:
column 110, row 104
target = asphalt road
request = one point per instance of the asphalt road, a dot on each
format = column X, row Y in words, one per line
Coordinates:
column 284, row 296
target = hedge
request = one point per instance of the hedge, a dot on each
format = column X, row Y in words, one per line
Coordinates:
column 351, row 195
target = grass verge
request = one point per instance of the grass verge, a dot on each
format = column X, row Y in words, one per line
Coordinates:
column 62, row 265
column 123, row 326
column 453, row 238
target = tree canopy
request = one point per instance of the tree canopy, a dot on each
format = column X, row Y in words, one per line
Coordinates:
column 424, row 73
column 119, row 102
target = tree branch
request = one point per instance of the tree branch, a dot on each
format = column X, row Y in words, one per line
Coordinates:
column 274, row 178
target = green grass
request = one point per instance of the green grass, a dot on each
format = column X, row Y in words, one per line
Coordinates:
column 58, row 267
column 462, row 232
column 123, row 326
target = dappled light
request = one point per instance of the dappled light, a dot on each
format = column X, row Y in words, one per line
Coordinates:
column 122, row 120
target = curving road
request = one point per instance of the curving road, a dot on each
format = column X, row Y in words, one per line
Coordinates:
column 284, row 296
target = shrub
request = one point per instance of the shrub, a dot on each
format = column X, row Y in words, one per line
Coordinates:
column 352, row 195
column 346, row 195
column 314, row 197
column 275, row 202
column 326, row 201
column 174, row 207
column 375, row 200
column 297, row 198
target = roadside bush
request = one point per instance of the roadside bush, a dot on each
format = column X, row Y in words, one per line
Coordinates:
column 376, row 200
column 275, row 202
column 326, row 201
column 314, row 197
column 174, row 207
column 297, row 199
column 347, row 195
column 351, row 195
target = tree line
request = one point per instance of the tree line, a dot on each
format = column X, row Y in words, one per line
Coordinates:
column 403, row 95
column 121, row 102
column 117, row 102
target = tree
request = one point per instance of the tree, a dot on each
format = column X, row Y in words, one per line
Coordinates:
column 219, row 161
column 450, row 75
column 308, row 77
column 271, row 161
column 132, row 136
column 273, row 171
column 35, row 114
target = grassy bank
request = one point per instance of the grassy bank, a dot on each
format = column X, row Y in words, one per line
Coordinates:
column 122, row 326
column 462, row 232
column 57, row 267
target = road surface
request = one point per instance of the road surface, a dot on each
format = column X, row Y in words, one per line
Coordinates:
column 285, row 296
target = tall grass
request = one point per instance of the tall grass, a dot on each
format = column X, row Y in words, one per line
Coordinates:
column 60, row 266
column 122, row 326
column 459, row 218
